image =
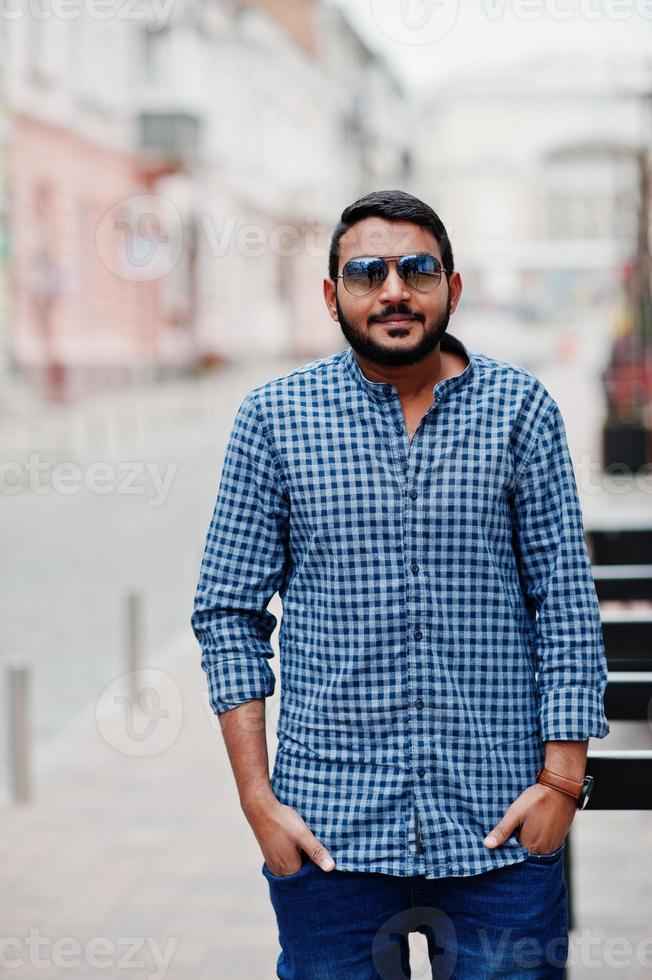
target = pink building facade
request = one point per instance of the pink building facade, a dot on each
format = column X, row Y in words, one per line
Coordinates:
column 93, row 267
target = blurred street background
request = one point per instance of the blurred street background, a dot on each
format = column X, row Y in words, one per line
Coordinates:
column 170, row 174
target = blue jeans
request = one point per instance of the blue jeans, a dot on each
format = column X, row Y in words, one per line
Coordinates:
column 510, row 922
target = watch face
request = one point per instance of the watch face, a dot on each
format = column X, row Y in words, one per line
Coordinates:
column 587, row 786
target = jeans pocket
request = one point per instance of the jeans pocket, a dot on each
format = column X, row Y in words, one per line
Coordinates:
column 304, row 869
column 546, row 858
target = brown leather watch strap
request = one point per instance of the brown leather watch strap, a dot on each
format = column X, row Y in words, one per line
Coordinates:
column 565, row 784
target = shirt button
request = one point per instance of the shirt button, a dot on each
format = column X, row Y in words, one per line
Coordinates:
column 414, row 567
column 418, row 703
column 414, row 494
column 418, row 634
column 399, row 430
column 421, row 771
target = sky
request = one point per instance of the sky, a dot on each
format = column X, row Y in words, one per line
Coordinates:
column 432, row 41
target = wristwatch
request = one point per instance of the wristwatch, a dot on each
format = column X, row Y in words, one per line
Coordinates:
column 579, row 789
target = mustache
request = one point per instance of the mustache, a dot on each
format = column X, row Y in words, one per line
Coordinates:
column 395, row 311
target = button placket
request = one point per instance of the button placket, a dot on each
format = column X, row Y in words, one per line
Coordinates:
column 415, row 719
column 388, row 400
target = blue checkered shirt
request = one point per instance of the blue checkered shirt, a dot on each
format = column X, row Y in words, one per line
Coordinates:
column 440, row 620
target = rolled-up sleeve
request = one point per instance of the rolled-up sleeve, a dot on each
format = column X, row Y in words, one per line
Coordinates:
column 557, row 582
column 244, row 564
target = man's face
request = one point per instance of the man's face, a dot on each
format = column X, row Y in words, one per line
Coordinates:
column 366, row 320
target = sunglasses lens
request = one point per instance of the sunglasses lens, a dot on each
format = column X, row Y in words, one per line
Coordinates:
column 362, row 276
column 422, row 271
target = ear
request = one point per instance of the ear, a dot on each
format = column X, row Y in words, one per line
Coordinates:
column 329, row 298
column 455, row 286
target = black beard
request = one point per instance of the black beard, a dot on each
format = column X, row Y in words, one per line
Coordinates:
column 379, row 354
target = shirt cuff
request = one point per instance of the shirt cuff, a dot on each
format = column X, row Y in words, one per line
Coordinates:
column 234, row 682
column 572, row 713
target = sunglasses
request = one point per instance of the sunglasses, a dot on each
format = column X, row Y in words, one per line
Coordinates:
column 420, row 271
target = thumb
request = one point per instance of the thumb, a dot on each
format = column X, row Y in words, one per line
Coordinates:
column 504, row 829
column 317, row 852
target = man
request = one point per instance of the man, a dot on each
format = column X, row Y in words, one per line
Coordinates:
column 415, row 506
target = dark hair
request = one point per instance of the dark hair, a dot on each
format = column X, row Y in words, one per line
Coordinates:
column 393, row 206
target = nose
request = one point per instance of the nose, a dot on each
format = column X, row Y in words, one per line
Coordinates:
column 393, row 289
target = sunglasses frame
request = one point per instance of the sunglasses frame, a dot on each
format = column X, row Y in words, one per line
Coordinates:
column 393, row 258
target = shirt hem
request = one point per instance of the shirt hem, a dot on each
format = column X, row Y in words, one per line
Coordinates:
column 443, row 871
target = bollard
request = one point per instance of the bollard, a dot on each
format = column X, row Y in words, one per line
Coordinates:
column 134, row 640
column 18, row 715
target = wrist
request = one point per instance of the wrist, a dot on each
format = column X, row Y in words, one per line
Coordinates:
column 567, row 759
column 568, row 785
column 257, row 799
column 575, row 790
column 556, row 794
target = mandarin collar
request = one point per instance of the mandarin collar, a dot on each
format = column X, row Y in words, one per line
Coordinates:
column 381, row 389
